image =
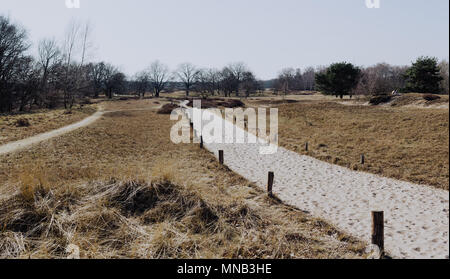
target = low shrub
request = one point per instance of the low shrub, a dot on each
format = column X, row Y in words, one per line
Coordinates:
column 431, row 97
column 168, row 108
column 381, row 99
column 23, row 122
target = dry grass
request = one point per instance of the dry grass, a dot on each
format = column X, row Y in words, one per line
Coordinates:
column 120, row 189
column 415, row 99
column 409, row 144
column 20, row 126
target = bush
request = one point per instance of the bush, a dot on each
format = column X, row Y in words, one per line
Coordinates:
column 168, row 108
column 215, row 103
column 381, row 99
column 22, row 122
column 431, row 97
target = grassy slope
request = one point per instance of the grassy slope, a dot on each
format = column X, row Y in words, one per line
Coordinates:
column 40, row 121
column 404, row 143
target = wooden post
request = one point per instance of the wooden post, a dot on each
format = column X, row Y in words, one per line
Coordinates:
column 270, row 183
column 221, row 157
column 363, row 159
column 201, row 141
column 378, row 230
column 307, row 147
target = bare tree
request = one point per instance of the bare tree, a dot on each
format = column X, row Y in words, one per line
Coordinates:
column 249, row 83
column 285, row 81
column 187, row 74
column 237, row 69
column 381, row 79
column 13, row 44
column 49, row 55
column 86, row 43
column 228, row 82
column 309, row 79
column 159, row 76
column 97, row 76
column 69, row 48
column 141, row 83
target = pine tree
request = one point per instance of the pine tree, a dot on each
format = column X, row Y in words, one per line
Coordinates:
column 424, row 76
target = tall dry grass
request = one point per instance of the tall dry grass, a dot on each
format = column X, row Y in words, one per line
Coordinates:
column 20, row 126
column 410, row 144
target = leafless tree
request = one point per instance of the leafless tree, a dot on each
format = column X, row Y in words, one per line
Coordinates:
column 187, row 74
column 49, row 55
column 249, row 83
column 380, row 79
column 286, row 79
column 159, row 76
column 141, row 83
column 97, row 76
column 237, row 69
column 228, row 82
column 76, row 41
column 308, row 78
column 13, row 44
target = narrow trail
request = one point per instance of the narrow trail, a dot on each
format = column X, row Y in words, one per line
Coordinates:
column 21, row 144
column 417, row 216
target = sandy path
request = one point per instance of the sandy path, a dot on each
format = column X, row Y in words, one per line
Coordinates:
column 21, row 144
column 417, row 216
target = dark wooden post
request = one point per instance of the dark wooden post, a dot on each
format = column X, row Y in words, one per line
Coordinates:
column 378, row 229
column 201, row 141
column 221, row 157
column 363, row 159
column 306, row 147
column 270, row 183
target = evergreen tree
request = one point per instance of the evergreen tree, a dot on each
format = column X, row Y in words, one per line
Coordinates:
column 424, row 76
column 339, row 79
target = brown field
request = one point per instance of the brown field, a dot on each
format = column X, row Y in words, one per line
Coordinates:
column 410, row 144
column 120, row 189
column 39, row 122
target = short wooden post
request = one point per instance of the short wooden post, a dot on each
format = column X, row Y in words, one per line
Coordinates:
column 201, row 141
column 306, row 147
column 378, row 230
column 221, row 157
column 363, row 159
column 270, row 183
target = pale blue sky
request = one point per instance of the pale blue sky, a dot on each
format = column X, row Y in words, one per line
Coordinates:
column 267, row 35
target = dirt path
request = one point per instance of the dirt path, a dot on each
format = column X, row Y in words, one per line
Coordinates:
column 417, row 216
column 21, row 144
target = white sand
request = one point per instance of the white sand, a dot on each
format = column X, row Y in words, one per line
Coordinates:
column 417, row 216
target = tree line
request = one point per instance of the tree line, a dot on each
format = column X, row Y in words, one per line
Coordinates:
column 60, row 75
column 425, row 75
column 233, row 80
